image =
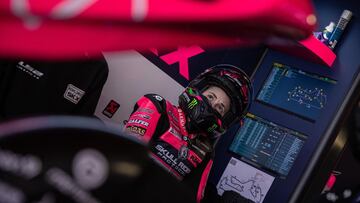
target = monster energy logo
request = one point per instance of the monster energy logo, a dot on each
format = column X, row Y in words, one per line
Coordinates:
column 212, row 128
column 193, row 103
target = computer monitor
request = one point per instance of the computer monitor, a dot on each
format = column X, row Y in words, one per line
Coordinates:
column 267, row 145
column 296, row 91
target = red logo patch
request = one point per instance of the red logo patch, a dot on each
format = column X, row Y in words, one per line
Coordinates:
column 111, row 108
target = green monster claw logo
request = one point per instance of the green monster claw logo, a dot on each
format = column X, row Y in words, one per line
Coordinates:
column 212, row 128
column 193, row 103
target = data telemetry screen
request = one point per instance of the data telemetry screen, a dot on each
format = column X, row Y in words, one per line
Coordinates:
column 267, row 144
column 304, row 94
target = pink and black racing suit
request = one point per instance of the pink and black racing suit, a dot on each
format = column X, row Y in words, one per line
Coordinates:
column 162, row 126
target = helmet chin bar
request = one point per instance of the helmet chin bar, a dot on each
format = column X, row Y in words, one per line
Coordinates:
column 201, row 117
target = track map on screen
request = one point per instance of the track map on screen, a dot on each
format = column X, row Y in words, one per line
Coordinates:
column 296, row 91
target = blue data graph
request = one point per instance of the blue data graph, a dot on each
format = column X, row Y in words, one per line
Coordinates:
column 304, row 94
column 267, row 144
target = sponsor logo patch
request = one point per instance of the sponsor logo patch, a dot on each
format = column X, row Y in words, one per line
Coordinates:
column 138, row 121
column 145, row 110
column 143, row 116
column 159, row 98
column 171, row 114
column 182, row 119
column 175, row 133
column 186, row 96
column 194, row 159
column 137, row 130
column 169, row 158
column 29, row 70
column 193, row 103
column 73, row 93
column 183, row 153
column 111, row 108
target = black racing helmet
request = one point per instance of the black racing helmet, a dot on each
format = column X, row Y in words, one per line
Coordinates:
column 236, row 84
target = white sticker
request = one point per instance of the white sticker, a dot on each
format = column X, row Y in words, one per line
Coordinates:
column 73, row 93
column 245, row 180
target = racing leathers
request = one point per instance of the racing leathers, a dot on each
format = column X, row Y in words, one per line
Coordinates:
column 162, row 126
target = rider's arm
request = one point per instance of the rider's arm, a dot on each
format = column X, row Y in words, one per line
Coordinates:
column 148, row 117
